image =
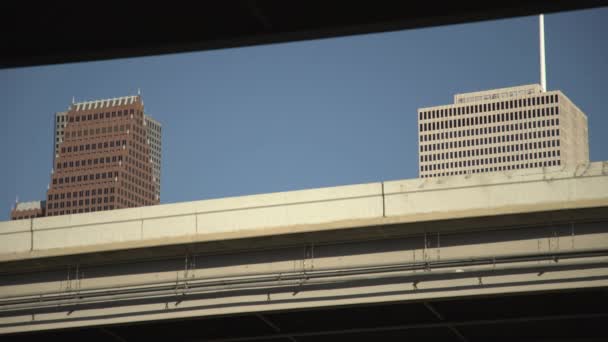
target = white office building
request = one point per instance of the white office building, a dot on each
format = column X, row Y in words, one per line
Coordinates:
column 501, row 129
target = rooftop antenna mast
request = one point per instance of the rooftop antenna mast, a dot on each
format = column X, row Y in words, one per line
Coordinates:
column 543, row 74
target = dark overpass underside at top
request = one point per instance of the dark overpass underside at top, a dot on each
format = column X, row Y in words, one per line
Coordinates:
column 52, row 33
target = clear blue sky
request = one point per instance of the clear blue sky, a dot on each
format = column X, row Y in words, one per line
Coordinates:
column 304, row 114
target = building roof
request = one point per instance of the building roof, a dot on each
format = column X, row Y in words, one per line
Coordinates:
column 105, row 103
column 491, row 94
column 33, row 205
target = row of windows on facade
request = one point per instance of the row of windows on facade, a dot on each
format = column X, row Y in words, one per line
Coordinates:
column 490, row 140
column 139, row 176
column 89, row 162
column 138, row 199
column 25, row 217
column 139, row 147
column 85, row 178
column 499, row 159
column 139, row 156
column 87, row 147
column 143, row 190
column 155, row 127
column 81, row 193
column 488, row 161
column 106, row 144
column 490, row 150
column 141, row 140
column 99, row 116
column 489, row 130
column 545, row 163
column 154, row 133
column 81, row 210
column 128, row 190
column 60, row 204
column 140, row 166
column 489, row 119
column 85, row 195
column 102, row 160
column 81, row 202
column 486, row 107
column 120, row 202
column 107, row 175
column 99, row 131
column 140, row 184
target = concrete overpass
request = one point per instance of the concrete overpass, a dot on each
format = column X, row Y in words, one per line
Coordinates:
column 388, row 259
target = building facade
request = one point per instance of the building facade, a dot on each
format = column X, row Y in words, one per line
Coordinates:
column 103, row 158
column 58, row 127
column 28, row 210
column 501, row 129
column 154, row 129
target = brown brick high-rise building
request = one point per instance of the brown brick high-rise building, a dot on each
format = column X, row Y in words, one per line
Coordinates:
column 104, row 158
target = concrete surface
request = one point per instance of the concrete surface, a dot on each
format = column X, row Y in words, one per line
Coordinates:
column 310, row 210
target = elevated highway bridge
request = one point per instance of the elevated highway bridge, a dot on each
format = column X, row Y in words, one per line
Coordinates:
column 506, row 256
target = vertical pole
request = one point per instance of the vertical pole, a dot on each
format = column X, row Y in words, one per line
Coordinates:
column 543, row 74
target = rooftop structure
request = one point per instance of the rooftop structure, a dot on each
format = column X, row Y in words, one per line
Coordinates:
column 28, row 210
